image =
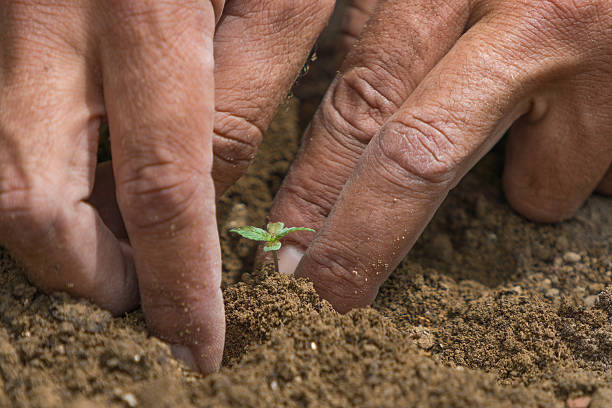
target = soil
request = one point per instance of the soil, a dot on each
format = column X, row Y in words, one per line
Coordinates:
column 488, row 310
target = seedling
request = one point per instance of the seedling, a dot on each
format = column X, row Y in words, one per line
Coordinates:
column 271, row 237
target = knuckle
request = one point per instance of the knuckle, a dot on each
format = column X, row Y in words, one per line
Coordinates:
column 310, row 207
column 236, row 138
column 360, row 102
column 158, row 194
column 414, row 148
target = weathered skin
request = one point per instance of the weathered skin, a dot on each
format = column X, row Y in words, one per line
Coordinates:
column 188, row 87
column 426, row 91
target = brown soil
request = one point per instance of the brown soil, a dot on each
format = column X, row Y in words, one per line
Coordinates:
column 488, row 310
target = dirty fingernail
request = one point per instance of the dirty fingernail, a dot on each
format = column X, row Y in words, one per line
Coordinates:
column 185, row 355
column 288, row 259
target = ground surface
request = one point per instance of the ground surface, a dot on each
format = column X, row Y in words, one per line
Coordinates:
column 488, row 310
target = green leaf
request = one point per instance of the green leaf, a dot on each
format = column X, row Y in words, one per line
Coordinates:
column 272, row 246
column 286, row 231
column 275, row 227
column 254, row 233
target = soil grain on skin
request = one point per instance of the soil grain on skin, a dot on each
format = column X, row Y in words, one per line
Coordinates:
column 488, row 310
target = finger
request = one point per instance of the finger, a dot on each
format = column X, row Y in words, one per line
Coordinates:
column 376, row 78
column 104, row 199
column 260, row 47
column 447, row 124
column 355, row 17
column 555, row 163
column 605, row 184
column 50, row 107
column 157, row 66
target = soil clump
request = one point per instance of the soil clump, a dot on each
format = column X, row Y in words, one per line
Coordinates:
column 488, row 310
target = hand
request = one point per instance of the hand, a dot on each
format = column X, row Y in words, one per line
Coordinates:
column 427, row 90
column 149, row 68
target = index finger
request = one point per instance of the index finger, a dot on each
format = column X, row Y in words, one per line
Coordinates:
column 157, row 68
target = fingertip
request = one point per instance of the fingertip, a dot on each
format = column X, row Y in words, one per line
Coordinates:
column 198, row 344
column 207, row 349
column 605, row 184
column 206, row 361
column 289, row 258
column 209, row 358
column 532, row 205
column 184, row 354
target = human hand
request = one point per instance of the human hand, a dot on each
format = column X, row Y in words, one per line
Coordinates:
column 149, row 68
column 427, row 90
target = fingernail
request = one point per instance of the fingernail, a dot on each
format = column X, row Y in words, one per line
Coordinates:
column 288, row 259
column 185, row 355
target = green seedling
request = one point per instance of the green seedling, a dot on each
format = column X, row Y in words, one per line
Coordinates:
column 271, row 237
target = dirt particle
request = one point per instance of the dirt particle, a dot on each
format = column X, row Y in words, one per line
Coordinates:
column 571, row 257
column 480, row 341
column 129, row 399
column 589, row 301
column 552, row 293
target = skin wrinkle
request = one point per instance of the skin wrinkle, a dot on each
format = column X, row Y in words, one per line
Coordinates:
column 148, row 84
column 335, row 131
column 337, row 262
column 351, row 112
column 175, row 199
column 319, row 203
column 380, row 104
column 436, row 164
column 233, row 127
column 419, row 188
column 510, row 55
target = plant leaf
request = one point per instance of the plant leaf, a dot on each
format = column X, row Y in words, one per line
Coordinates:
column 272, row 246
column 275, row 227
column 286, row 231
column 254, row 233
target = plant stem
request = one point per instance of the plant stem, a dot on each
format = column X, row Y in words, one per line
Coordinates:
column 275, row 255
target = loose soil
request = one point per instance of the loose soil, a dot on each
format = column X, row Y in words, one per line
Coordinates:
column 488, row 310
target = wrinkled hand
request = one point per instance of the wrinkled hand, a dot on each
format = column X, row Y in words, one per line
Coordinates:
column 426, row 91
column 149, row 68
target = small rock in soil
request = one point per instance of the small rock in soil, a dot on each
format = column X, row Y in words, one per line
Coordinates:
column 423, row 336
column 571, row 257
column 589, row 301
column 552, row 293
column 129, row 399
column 604, row 302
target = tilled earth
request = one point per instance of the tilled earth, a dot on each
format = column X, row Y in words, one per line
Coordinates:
column 488, row 310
